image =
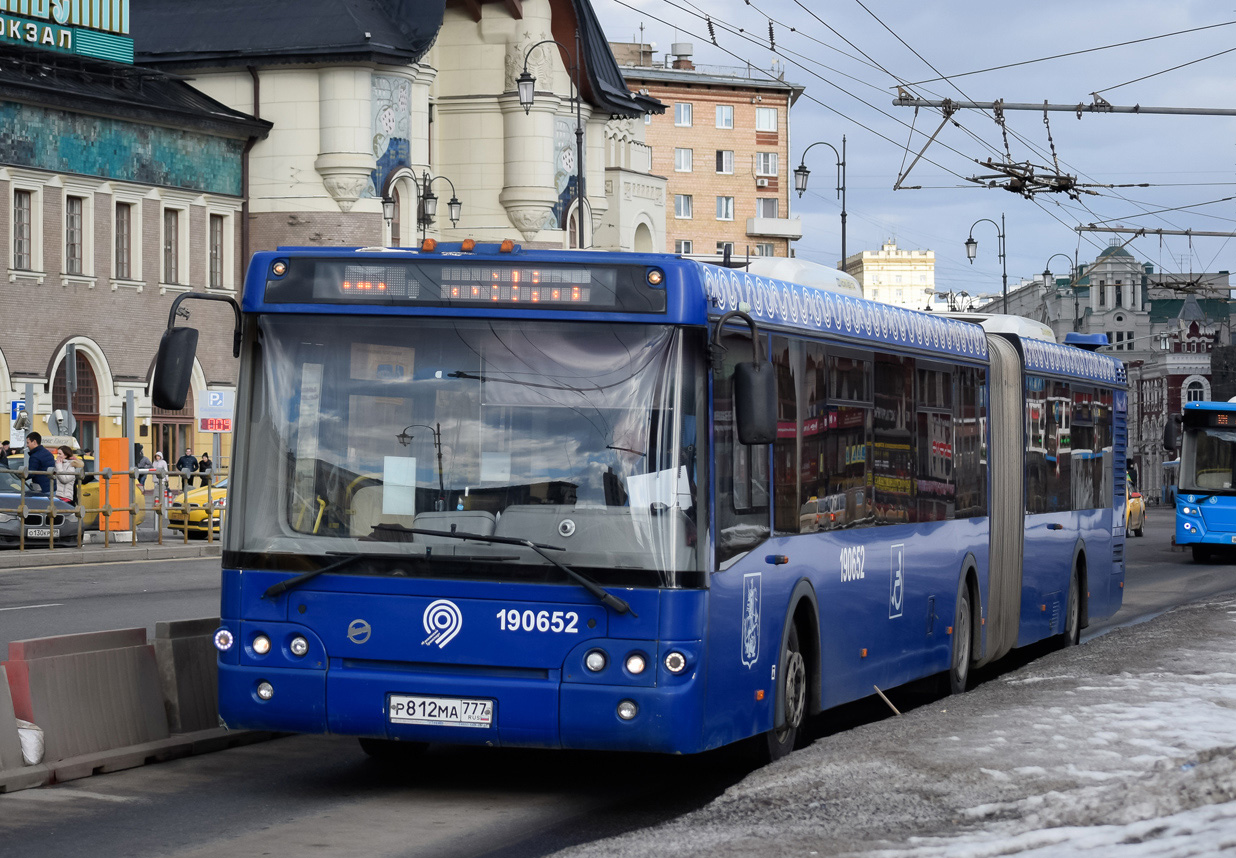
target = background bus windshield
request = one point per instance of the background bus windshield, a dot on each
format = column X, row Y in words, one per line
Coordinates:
column 366, row 430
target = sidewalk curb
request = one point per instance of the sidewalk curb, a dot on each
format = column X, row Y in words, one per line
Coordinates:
column 127, row 553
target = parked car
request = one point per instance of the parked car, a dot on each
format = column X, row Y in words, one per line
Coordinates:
column 90, row 496
column 1135, row 515
column 44, row 517
column 201, row 509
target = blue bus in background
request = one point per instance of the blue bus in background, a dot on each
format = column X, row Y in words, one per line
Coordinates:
column 488, row 495
column 1206, row 487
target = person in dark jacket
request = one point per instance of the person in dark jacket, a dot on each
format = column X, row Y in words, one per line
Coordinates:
column 186, row 465
column 204, row 467
column 41, row 459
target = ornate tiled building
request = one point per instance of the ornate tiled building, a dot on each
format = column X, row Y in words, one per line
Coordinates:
column 122, row 187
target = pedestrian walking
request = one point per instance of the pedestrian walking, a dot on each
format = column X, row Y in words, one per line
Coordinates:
column 204, row 467
column 159, row 466
column 5, row 450
column 142, row 463
column 186, row 465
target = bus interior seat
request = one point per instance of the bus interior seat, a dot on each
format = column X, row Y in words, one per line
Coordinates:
column 366, row 512
column 474, row 521
column 611, row 530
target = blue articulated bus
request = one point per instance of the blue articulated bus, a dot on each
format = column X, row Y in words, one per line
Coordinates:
column 1206, row 488
column 488, row 495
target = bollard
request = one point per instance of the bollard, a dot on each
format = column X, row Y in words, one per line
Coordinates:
column 188, row 673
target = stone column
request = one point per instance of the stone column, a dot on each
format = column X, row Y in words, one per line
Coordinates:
column 345, row 134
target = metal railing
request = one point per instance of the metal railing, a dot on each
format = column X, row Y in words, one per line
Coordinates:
column 172, row 508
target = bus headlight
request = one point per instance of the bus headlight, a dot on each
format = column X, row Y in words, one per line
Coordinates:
column 675, row 662
column 299, row 646
column 627, row 710
column 265, row 690
column 261, row 644
column 595, row 661
column 224, row 640
column 636, row 663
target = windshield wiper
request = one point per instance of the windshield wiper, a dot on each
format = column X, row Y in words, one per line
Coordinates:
column 283, row 586
column 617, row 603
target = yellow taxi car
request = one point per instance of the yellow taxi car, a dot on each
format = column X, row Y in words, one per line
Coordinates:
column 1135, row 511
column 90, row 498
column 199, row 510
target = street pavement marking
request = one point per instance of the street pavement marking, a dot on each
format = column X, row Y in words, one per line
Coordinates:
column 28, row 607
column 63, row 794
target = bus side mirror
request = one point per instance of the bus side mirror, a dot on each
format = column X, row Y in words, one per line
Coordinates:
column 755, row 386
column 755, row 402
column 1171, row 434
column 174, row 368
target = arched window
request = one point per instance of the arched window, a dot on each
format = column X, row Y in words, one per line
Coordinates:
column 85, row 399
column 1195, row 391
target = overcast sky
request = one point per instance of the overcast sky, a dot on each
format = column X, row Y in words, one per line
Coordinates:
column 850, row 56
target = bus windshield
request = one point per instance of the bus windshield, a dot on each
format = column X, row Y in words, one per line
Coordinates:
column 393, row 436
column 1207, row 462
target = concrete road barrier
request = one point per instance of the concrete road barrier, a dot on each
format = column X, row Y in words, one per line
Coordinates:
column 188, row 673
column 89, row 692
column 110, row 700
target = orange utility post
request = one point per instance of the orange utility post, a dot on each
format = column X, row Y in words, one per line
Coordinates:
column 114, row 454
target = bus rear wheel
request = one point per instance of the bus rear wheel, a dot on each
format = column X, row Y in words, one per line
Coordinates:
column 1072, row 615
column 963, row 639
column 792, row 688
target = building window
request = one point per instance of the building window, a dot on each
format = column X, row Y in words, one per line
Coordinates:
column 725, row 116
column 682, row 114
column 765, row 249
column 73, row 234
column 1195, row 392
column 124, row 241
column 725, row 161
column 216, row 251
column 724, row 247
column 23, row 227
column 682, row 205
column 766, row 207
column 171, row 246
column 725, row 208
column 682, row 246
column 766, row 163
column 766, row 119
column 682, row 160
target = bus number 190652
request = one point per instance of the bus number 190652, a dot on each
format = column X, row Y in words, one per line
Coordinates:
column 564, row 622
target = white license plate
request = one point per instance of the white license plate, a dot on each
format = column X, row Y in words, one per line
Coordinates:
column 41, row 532
column 443, row 711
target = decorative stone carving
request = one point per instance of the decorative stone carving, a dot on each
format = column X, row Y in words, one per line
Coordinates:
column 346, row 176
column 529, row 220
column 540, row 64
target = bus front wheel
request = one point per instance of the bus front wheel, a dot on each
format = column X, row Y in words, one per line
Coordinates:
column 792, row 685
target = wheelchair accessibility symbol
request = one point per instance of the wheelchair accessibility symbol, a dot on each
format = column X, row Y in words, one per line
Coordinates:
column 896, row 581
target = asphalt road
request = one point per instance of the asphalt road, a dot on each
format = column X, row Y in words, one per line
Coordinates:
column 307, row 794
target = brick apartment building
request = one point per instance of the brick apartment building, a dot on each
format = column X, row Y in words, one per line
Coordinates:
column 724, row 145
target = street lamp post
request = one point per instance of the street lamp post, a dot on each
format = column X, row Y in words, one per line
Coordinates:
column 405, row 439
column 427, row 202
column 972, row 251
column 1072, row 285
column 800, row 182
column 526, row 85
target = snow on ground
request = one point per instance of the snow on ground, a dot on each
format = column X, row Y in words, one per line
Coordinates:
column 1123, row 746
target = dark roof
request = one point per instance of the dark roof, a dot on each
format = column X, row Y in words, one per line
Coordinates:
column 85, row 85
column 207, row 33
column 1190, row 309
column 609, row 89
